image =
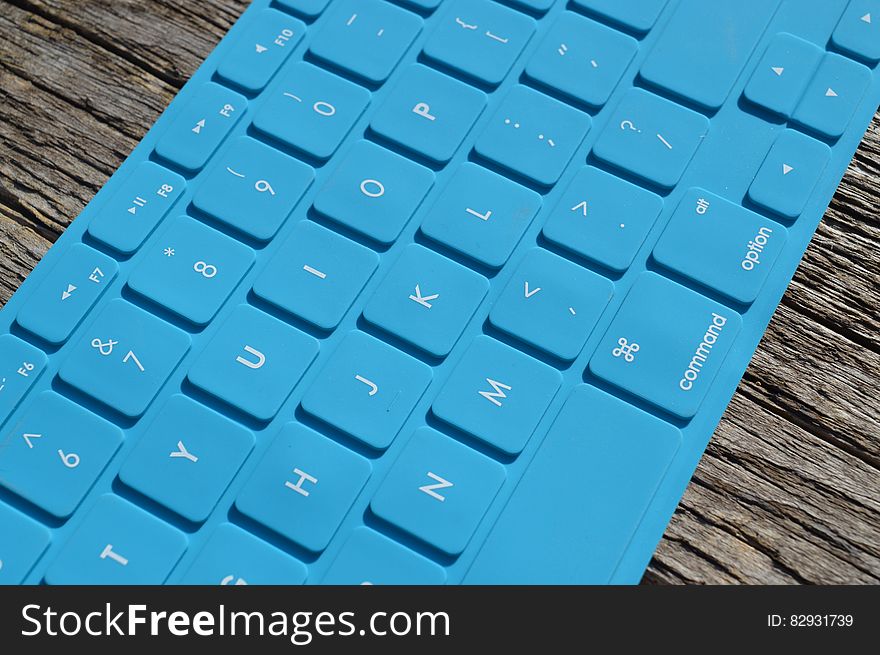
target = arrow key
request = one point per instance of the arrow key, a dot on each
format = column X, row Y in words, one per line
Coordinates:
column 858, row 32
column 831, row 99
column 789, row 172
column 54, row 309
column 782, row 74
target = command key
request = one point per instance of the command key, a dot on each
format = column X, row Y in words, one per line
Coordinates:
column 666, row 344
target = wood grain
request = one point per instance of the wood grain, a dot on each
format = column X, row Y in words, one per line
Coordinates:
column 788, row 490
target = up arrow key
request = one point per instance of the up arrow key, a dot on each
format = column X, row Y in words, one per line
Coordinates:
column 830, row 93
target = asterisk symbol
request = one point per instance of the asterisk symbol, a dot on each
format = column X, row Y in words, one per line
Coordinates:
column 169, row 252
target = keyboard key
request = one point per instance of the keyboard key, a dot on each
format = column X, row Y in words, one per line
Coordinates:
column 426, row 300
column 481, row 215
column 22, row 543
column 260, row 51
column 20, row 366
column 366, row 38
column 367, row 389
column 311, row 110
column 737, row 248
column 552, row 304
column 497, row 394
column 54, row 309
column 134, row 211
column 789, row 173
column 124, row 357
column 368, row 558
column 615, row 455
column 304, row 487
column 857, row 33
column 603, row 218
column 480, row 39
column 638, row 15
column 438, row 490
column 192, row 270
column 118, row 544
column 202, row 124
column 374, row 191
column 253, row 188
column 235, row 557
column 316, row 275
column 831, row 99
column 429, row 113
column 533, row 135
column 782, row 74
column 307, row 8
column 666, row 344
column 582, row 59
column 253, row 362
column 651, row 138
column 704, row 46
column 55, row 452
column 187, row 457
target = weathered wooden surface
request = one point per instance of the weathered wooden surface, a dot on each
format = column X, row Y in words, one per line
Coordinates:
column 788, row 489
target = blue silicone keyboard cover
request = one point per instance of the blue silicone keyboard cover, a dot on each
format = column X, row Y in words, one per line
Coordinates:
column 725, row 164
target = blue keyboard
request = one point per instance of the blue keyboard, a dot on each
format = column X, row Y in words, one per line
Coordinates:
column 422, row 293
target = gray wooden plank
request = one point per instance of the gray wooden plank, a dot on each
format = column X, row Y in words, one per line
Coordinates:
column 787, row 491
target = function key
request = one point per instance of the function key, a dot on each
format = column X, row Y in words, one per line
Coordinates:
column 481, row 215
column 638, row 15
column 367, row 389
column 311, row 110
column 55, row 452
column 833, row 96
column 65, row 296
column 135, row 210
column 197, row 129
column 261, row 50
column 22, row 543
column 704, row 46
column 782, row 74
column 737, row 247
column 533, row 135
column 374, row 191
column 253, row 362
column 552, row 304
column 480, row 39
column 427, row 300
column 789, row 173
column 651, row 138
column 666, row 344
column 603, row 218
column 235, row 557
column 304, row 487
column 429, row 113
column 858, row 32
column 20, row 367
column 368, row 558
column 187, row 457
column 253, row 188
column 192, row 270
column 582, row 59
column 118, row 544
column 124, row 357
column 365, row 37
column 497, row 394
column 438, row 490
column 316, row 275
